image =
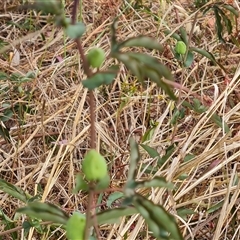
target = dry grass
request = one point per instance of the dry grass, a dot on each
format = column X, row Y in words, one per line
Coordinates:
column 46, row 149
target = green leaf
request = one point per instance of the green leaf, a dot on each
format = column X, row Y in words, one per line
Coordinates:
column 219, row 26
column 48, row 6
column 189, row 59
column 80, row 184
column 207, row 55
column 155, row 182
column 101, row 78
column 169, row 152
column 226, row 20
column 27, row 226
column 134, row 159
column 200, row 3
column 45, row 212
column 215, row 207
column 173, row 35
column 153, row 63
column 218, row 120
column 3, row 76
column 183, row 212
column 231, row 9
column 8, row 225
column 7, row 115
column 183, row 176
column 184, row 35
column 13, row 191
column 144, row 66
column 157, row 218
column 113, row 215
column 153, row 153
column 114, row 45
column 154, row 76
column 4, row 132
column 203, row 53
column 141, row 41
column 198, row 107
column 113, row 197
column 188, row 157
column 132, row 64
column 75, row 31
column 148, row 134
column 175, row 117
column 187, row 104
column 103, row 183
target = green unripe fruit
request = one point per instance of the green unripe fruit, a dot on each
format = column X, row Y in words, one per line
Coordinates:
column 96, row 57
column 94, row 166
column 181, row 47
column 75, row 226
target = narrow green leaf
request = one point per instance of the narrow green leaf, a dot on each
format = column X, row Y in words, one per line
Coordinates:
column 114, row 45
column 187, row 104
column 207, row 55
column 173, row 35
column 169, row 152
column 113, row 215
column 215, row 207
column 7, row 115
column 231, row 9
column 188, row 157
column 153, row 153
column 3, row 76
column 75, row 31
column 175, row 117
column 148, row 134
column 226, row 20
column 184, row 35
column 48, row 6
column 183, row 212
column 13, row 191
column 101, row 78
column 144, row 66
column 45, row 212
column 141, row 41
column 153, row 63
column 218, row 120
column 80, row 184
column 155, row 182
column 189, row 59
column 155, row 76
column 103, row 183
column 4, row 132
column 113, row 197
column 157, row 218
column 134, row 159
column 203, row 53
column 183, row 176
column 219, row 26
column 132, row 64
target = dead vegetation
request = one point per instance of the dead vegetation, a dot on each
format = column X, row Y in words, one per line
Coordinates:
column 49, row 127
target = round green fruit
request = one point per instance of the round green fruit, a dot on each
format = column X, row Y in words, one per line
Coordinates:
column 94, row 166
column 181, row 47
column 96, row 57
column 75, row 226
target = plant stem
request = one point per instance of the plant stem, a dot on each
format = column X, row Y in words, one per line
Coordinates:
column 92, row 107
